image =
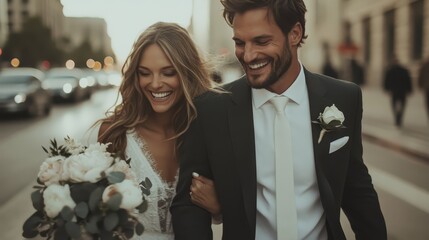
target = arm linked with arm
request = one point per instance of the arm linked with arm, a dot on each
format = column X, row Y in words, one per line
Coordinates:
column 189, row 220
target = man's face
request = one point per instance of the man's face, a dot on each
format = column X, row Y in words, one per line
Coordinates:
column 261, row 47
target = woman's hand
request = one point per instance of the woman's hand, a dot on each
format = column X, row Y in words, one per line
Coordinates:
column 203, row 194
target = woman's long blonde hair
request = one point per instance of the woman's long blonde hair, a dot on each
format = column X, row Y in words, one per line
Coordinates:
column 135, row 107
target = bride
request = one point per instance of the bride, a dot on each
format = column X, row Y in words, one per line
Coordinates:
column 161, row 76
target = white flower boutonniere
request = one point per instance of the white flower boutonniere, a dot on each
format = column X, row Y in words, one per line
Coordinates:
column 331, row 119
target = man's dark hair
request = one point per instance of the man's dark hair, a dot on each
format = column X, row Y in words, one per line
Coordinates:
column 285, row 12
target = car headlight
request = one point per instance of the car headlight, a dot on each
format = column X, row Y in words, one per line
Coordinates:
column 67, row 88
column 20, row 98
column 83, row 82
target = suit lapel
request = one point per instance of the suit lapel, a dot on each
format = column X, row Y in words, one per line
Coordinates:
column 318, row 99
column 240, row 118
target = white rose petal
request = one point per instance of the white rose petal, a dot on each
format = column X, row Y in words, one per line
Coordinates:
column 88, row 166
column 131, row 193
column 51, row 170
column 56, row 197
column 332, row 113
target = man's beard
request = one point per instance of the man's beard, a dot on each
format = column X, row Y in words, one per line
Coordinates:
column 280, row 66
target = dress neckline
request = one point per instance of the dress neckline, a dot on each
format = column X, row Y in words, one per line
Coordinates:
column 148, row 155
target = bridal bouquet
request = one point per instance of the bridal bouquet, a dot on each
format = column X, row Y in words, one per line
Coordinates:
column 85, row 192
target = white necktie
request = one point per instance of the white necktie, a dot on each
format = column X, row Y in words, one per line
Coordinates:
column 285, row 194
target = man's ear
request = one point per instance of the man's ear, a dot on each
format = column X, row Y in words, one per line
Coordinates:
column 295, row 34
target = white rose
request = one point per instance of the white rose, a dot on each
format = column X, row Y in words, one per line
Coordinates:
column 131, row 193
column 56, row 197
column 332, row 113
column 88, row 166
column 122, row 166
column 51, row 170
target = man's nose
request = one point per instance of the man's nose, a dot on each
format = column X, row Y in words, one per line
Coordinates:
column 249, row 53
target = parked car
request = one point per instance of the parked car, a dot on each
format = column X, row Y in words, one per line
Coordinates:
column 68, row 84
column 21, row 91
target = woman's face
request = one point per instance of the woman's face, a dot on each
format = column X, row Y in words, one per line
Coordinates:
column 159, row 80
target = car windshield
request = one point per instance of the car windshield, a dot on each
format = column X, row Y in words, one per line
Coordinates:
column 14, row 79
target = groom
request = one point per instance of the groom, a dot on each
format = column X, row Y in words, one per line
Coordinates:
column 232, row 140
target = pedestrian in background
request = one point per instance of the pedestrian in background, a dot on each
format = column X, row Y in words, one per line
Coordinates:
column 397, row 82
column 328, row 69
column 358, row 74
column 424, row 82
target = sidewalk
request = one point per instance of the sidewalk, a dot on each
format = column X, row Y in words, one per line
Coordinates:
column 378, row 124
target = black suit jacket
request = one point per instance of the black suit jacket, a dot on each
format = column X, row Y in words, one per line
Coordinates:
column 220, row 145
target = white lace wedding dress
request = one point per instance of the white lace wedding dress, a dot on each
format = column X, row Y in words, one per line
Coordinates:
column 157, row 218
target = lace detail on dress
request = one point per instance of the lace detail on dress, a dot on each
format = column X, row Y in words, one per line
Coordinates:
column 157, row 218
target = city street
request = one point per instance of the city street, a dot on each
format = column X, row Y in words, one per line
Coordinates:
column 401, row 179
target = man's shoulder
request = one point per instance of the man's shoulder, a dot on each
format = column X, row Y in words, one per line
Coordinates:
column 225, row 91
column 330, row 82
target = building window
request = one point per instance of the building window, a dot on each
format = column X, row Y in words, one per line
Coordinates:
column 9, row 14
column 417, row 21
column 24, row 14
column 389, row 35
column 366, row 39
column 9, row 1
column 24, row 1
column 10, row 26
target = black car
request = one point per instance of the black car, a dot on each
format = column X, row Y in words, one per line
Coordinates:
column 67, row 84
column 21, row 91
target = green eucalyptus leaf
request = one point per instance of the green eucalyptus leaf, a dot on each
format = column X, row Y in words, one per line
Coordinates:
column 139, row 228
column 116, row 177
column 148, row 183
column 67, row 213
column 30, row 234
column 82, row 210
column 37, row 200
column 95, row 198
column 145, row 191
column 92, row 225
column 111, row 221
column 33, row 222
column 106, row 235
column 60, row 233
column 81, row 192
column 143, row 206
column 114, row 201
column 73, row 230
column 123, row 216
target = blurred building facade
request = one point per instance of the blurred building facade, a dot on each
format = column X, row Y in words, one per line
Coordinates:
column 372, row 32
column 50, row 11
column 4, row 30
column 210, row 31
column 68, row 32
column 93, row 30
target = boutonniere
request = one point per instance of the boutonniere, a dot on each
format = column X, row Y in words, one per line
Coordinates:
column 331, row 119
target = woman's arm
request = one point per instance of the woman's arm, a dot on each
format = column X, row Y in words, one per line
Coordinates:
column 203, row 194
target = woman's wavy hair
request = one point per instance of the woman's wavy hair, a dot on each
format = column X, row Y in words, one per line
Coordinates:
column 285, row 12
column 135, row 108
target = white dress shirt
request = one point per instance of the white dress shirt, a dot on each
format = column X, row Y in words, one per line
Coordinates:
column 311, row 217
